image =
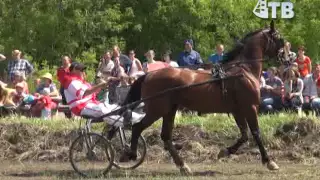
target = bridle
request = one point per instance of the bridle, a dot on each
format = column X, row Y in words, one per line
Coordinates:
column 272, row 42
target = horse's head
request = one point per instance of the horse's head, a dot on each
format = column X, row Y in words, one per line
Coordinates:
column 274, row 43
column 255, row 45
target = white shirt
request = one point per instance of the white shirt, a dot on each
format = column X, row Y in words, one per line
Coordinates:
column 310, row 86
column 173, row 64
column 74, row 95
column 105, row 67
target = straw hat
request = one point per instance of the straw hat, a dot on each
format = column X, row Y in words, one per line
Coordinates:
column 47, row 76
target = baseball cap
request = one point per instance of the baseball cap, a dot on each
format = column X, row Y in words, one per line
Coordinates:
column 77, row 66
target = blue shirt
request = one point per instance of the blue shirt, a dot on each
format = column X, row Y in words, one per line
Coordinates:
column 42, row 86
column 216, row 58
column 189, row 58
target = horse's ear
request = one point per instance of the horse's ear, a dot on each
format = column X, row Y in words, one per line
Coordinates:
column 272, row 28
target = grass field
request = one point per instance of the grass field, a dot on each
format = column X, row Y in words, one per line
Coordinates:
column 214, row 169
column 221, row 123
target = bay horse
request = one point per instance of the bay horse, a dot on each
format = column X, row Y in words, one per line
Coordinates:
column 239, row 97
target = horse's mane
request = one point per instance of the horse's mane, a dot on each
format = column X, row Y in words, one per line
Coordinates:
column 236, row 50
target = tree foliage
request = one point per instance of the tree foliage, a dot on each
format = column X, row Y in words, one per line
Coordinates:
column 85, row 28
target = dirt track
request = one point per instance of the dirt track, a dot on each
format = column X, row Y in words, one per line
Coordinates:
column 230, row 171
column 296, row 146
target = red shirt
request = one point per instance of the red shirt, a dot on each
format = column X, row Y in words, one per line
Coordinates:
column 47, row 101
column 304, row 66
column 62, row 73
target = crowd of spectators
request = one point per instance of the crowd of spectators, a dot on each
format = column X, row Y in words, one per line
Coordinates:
column 294, row 85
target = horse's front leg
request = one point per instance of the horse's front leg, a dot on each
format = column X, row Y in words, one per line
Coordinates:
column 243, row 127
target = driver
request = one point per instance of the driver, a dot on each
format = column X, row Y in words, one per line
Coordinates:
column 81, row 98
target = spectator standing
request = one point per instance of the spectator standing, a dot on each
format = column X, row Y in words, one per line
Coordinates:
column 62, row 73
column 167, row 58
column 18, row 64
column 289, row 58
column 136, row 67
column 125, row 61
column 152, row 64
column 310, row 93
column 271, row 93
column 119, row 74
column 105, row 66
column 218, row 57
column 304, row 62
column 189, row 57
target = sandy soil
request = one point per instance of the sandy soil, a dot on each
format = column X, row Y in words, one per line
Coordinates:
column 220, row 170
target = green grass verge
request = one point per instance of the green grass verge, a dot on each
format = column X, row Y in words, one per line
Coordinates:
column 220, row 123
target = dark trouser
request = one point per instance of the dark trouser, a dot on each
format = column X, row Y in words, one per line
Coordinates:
column 293, row 104
column 270, row 105
column 313, row 105
column 64, row 102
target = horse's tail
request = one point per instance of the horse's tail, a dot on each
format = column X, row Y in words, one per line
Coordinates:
column 134, row 93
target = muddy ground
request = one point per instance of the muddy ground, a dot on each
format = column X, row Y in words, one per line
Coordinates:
column 295, row 145
column 203, row 171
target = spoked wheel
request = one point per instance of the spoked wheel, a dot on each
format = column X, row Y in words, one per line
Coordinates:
column 121, row 141
column 91, row 155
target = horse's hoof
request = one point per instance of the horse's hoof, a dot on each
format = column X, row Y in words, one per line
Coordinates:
column 223, row 153
column 178, row 146
column 272, row 166
column 124, row 157
column 127, row 156
column 185, row 170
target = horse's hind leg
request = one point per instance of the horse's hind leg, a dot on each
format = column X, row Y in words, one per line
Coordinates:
column 166, row 136
column 136, row 132
column 252, row 120
column 242, row 124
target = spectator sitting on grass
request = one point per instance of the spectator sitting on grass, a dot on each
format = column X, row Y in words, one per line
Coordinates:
column 20, row 78
column 271, row 93
column 6, row 95
column 43, row 103
column 20, row 94
column 47, row 83
column 293, row 86
column 310, row 94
